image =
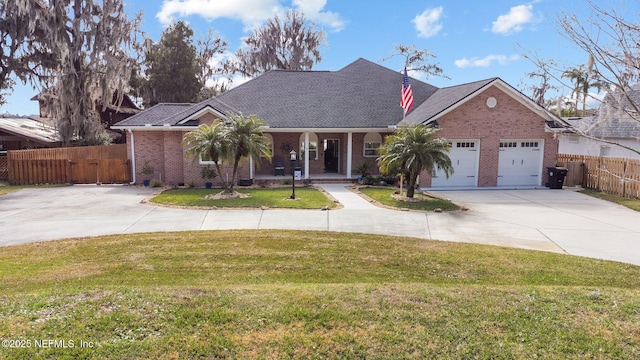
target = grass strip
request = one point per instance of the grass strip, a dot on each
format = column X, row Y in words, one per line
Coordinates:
column 422, row 201
column 633, row 204
column 306, row 198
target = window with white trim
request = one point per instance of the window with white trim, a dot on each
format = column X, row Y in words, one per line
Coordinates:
column 605, row 150
column 313, row 146
column 372, row 143
column 206, row 160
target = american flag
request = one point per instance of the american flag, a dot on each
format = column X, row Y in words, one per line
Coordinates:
column 406, row 97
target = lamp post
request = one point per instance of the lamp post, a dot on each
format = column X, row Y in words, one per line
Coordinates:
column 293, row 174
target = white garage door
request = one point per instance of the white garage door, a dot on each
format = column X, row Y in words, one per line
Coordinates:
column 520, row 162
column 464, row 155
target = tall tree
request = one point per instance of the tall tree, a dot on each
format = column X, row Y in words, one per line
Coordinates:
column 417, row 60
column 609, row 38
column 87, row 46
column 172, row 67
column 412, row 149
column 208, row 48
column 287, row 43
column 577, row 77
column 175, row 69
column 539, row 91
column 14, row 39
column 610, row 41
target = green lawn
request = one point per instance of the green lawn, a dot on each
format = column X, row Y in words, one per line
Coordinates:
column 306, row 198
column 285, row 294
column 424, row 202
column 633, row 204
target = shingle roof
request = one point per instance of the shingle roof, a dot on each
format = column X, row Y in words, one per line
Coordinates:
column 443, row 99
column 617, row 118
column 616, row 128
column 155, row 115
column 173, row 113
column 31, row 129
column 361, row 95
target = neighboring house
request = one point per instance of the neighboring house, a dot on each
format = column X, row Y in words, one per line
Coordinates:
column 26, row 133
column 617, row 123
column 23, row 133
column 336, row 120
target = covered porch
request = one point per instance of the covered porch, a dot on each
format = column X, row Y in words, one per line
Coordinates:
column 320, row 153
column 312, row 177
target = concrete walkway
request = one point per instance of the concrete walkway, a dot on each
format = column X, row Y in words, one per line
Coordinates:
column 346, row 197
column 561, row 221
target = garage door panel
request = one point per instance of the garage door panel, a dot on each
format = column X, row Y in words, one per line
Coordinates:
column 520, row 162
column 464, row 159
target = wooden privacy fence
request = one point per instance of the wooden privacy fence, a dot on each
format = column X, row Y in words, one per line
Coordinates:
column 4, row 171
column 611, row 175
column 77, row 165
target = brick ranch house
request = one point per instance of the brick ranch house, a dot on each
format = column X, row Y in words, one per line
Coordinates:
column 336, row 120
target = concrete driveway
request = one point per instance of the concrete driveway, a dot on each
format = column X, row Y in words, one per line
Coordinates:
column 561, row 221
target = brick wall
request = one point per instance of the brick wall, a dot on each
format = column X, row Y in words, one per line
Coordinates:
column 164, row 151
column 509, row 119
column 149, row 146
column 174, row 159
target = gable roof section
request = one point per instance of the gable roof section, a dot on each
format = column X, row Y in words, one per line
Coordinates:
column 361, row 95
column 156, row 115
column 444, row 100
column 448, row 99
column 173, row 114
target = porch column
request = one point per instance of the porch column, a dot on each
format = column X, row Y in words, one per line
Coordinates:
column 250, row 167
column 306, row 155
column 349, row 153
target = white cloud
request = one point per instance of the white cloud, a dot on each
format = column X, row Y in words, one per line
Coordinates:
column 428, row 23
column 486, row 61
column 312, row 10
column 514, row 20
column 250, row 12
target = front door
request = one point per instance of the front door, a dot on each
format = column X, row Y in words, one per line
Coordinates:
column 331, row 156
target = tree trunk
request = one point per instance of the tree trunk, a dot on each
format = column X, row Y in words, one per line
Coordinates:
column 411, row 184
column 234, row 175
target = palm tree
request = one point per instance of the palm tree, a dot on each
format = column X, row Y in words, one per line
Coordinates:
column 582, row 83
column 413, row 149
column 577, row 77
column 208, row 142
column 246, row 138
column 228, row 142
column 596, row 83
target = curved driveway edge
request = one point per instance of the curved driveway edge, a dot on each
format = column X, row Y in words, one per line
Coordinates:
column 550, row 220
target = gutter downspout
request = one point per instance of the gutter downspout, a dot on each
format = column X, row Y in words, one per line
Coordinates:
column 133, row 159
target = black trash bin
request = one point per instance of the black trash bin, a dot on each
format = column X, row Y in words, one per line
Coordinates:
column 556, row 177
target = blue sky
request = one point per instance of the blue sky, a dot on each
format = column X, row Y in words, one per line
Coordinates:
column 473, row 40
